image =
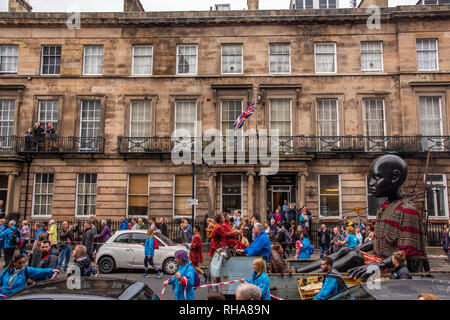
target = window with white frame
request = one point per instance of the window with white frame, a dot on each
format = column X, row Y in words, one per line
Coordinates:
column 231, row 192
column 371, row 56
column 9, row 55
column 140, row 123
column 327, row 123
column 280, row 57
column 90, row 124
column 325, row 54
column 232, row 58
column 372, row 202
column 182, row 193
column 327, row 117
column 280, row 116
column 6, row 122
column 330, row 195
column 187, row 59
column 327, row 4
column 280, row 119
column 48, row 113
column 430, row 116
column 431, row 122
column 93, row 60
column 43, row 194
column 427, row 54
column 186, row 116
column 138, row 195
column 303, row 4
column 142, row 60
column 231, row 110
column 437, row 198
column 51, row 60
column 86, row 194
column 374, row 122
column 435, row 2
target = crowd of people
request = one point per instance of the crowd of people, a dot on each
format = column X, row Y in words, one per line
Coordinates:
column 286, row 233
column 41, row 138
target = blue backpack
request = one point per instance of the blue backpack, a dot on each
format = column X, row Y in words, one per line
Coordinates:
column 311, row 249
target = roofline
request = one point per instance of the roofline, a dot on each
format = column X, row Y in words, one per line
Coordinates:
column 242, row 17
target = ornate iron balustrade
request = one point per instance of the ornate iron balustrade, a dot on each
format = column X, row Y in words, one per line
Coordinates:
column 6, row 144
column 59, row 145
column 289, row 145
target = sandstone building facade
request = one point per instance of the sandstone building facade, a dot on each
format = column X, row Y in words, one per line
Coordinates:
column 339, row 92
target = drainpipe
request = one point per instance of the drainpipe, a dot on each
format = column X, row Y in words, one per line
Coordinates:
column 28, row 160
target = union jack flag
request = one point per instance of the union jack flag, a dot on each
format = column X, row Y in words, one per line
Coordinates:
column 244, row 115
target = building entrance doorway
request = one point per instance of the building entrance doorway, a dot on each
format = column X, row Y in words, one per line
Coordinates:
column 281, row 187
column 279, row 194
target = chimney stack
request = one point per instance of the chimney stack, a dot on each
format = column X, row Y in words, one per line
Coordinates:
column 19, row 6
column 253, row 4
column 132, row 6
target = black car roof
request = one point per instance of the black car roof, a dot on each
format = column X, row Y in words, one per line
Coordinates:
column 408, row 289
column 102, row 287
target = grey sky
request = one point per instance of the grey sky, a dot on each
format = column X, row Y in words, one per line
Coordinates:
column 161, row 5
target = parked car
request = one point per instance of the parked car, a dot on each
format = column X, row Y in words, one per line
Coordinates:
column 86, row 288
column 395, row 290
column 125, row 250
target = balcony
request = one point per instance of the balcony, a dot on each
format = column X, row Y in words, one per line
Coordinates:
column 290, row 145
column 58, row 145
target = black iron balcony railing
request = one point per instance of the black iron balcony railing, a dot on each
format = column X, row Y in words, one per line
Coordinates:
column 289, row 145
column 7, row 144
column 61, row 145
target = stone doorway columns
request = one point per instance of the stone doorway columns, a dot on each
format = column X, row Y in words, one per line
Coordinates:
column 212, row 194
column 301, row 191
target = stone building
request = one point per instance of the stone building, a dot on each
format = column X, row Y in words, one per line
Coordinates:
column 340, row 91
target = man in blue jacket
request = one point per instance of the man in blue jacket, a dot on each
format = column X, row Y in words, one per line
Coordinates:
column 260, row 245
column 6, row 237
column 332, row 282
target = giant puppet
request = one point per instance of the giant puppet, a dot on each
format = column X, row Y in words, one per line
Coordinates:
column 398, row 226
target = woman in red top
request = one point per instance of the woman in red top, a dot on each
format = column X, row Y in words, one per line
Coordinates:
column 220, row 236
column 196, row 254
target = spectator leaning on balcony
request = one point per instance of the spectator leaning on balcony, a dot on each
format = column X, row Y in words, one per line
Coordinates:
column 29, row 139
column 50, row 137
column 38, row 131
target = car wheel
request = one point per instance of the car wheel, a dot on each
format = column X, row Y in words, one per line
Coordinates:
column 170, row 266
column 106, row 265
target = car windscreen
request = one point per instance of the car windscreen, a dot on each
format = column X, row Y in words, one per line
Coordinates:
column 353, row 293
column 165, row 239
column 83, row 286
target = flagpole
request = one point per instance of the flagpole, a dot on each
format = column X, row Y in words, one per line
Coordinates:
column 255, row 96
